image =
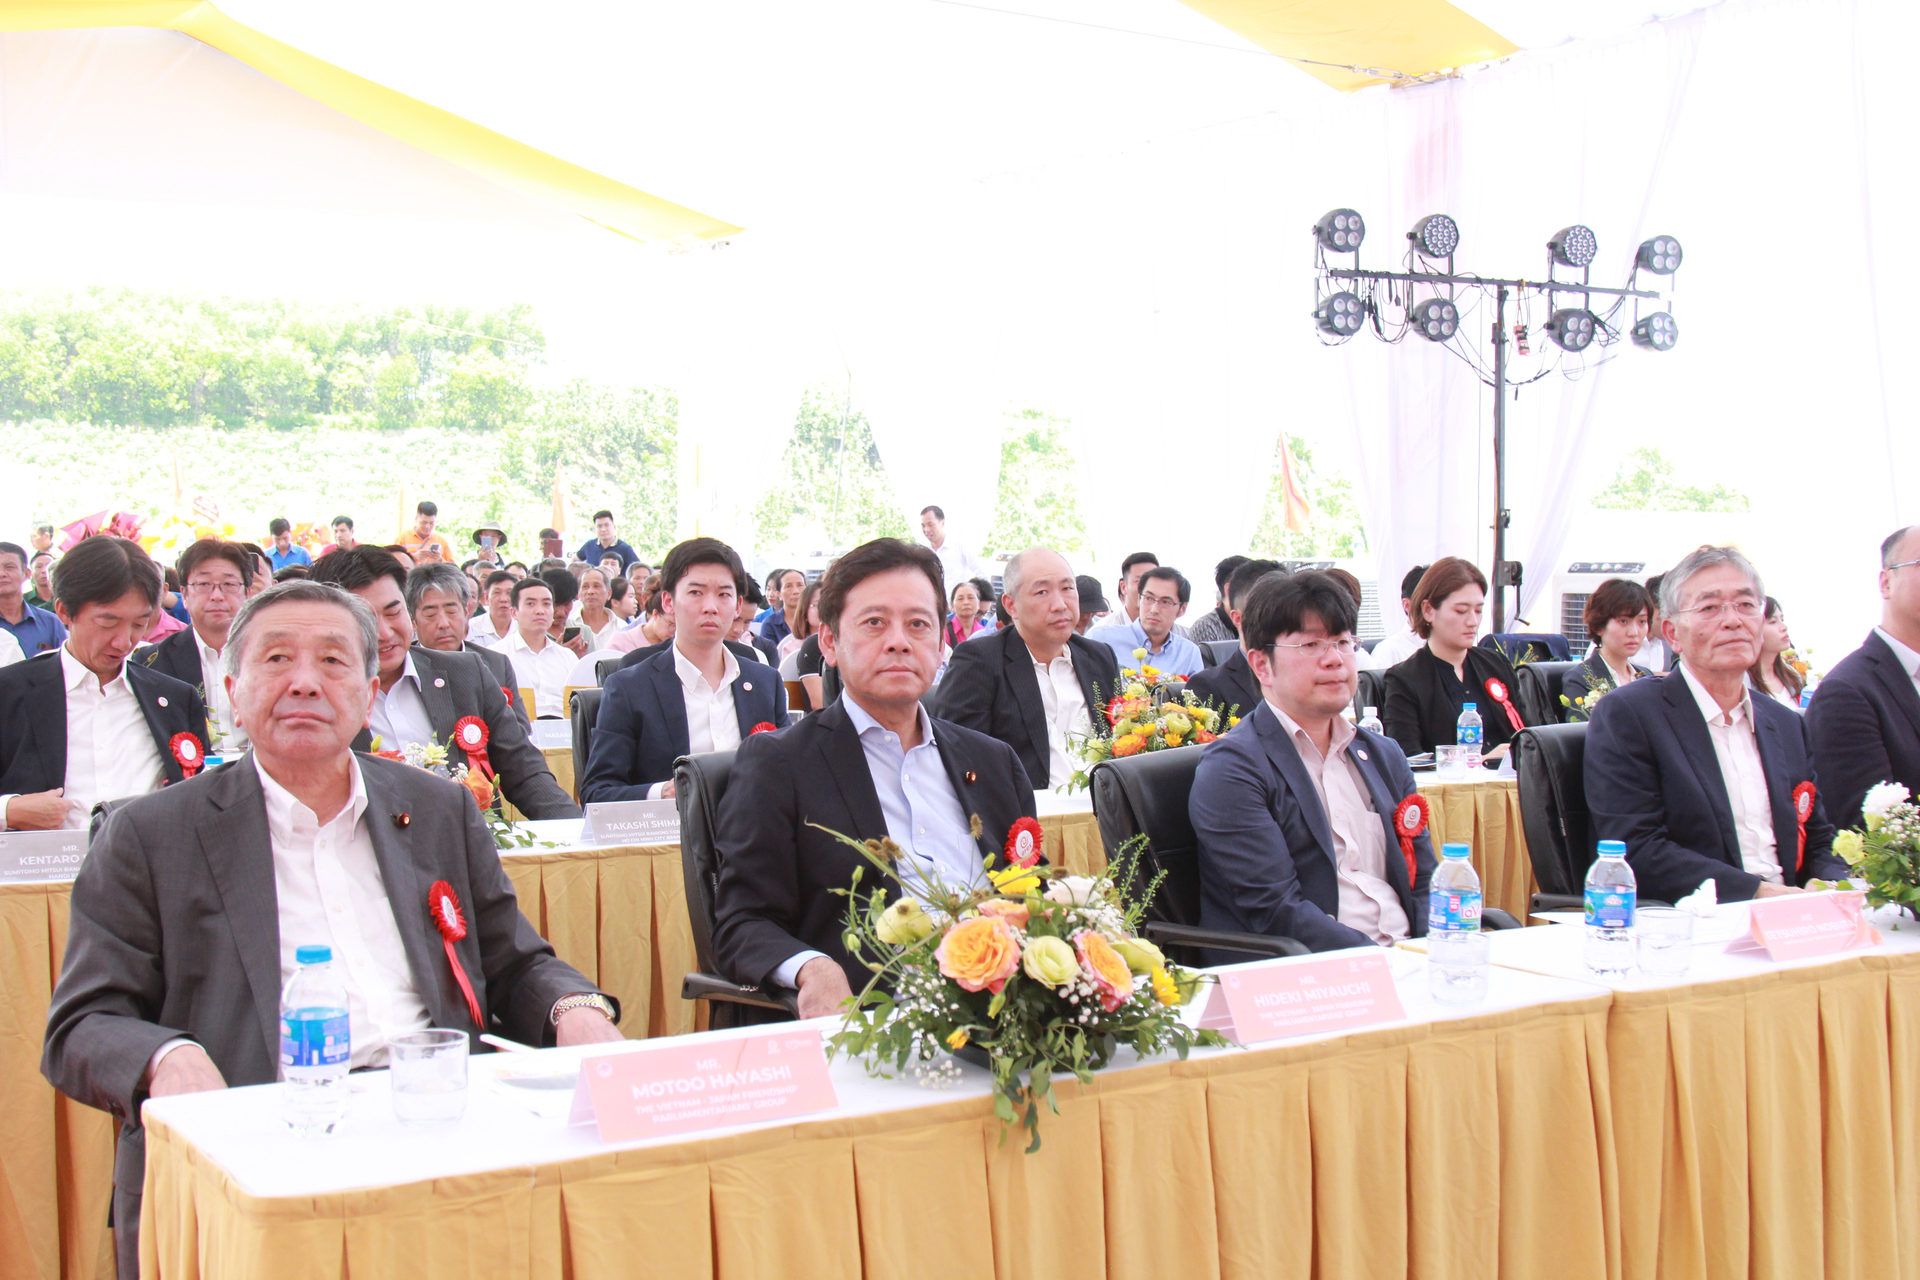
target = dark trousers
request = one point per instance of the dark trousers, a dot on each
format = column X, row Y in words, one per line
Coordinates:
column 126, row 1234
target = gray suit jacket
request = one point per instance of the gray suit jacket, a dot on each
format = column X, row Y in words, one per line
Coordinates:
column 175, row 932
column 502, row 669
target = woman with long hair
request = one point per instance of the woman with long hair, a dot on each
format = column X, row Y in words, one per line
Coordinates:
column 1771, row 674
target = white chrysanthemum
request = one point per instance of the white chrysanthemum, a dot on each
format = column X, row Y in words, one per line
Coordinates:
column 1881, row 801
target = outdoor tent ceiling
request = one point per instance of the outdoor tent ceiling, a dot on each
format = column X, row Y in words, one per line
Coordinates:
column 1354, row 43
column 513, row 165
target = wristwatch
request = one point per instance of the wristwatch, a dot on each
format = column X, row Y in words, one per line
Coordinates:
column 584, row 1000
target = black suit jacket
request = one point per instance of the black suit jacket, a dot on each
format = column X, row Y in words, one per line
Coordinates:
column 990, row 687
column 175, row 932
column 502, row 668
column 33, row 720
column 457, row 685
column 1865, row 723
column 1653, row 781
column 1420, row 714
column 178, row 656
column 778, row 874
column 642, row 726
column 1229, row 685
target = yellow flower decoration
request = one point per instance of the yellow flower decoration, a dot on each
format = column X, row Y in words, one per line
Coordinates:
column 1015, row 882
column 1165, row 989
column 1139, row 655
column 957, row 1039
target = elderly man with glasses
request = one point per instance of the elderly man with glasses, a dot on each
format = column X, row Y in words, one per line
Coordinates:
column 1702, row 780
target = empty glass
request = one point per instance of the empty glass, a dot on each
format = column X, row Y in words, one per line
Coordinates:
column 428, row 1074
column 1457, row 966
column 1450, row 761
column 1663, row 937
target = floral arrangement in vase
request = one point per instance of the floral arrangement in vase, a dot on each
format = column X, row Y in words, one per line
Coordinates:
column 1151, row 713
column 1886, row 855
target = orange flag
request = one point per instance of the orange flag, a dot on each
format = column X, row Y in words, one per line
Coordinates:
column 562, row 502
column 1297, row 508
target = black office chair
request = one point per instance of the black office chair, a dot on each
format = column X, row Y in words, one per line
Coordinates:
column 1529, row 646
column 604, row 667
column 1553, row 810
column 586, row 706
column 1536, row 691
column 1371, row 693
column 1219, row 652
column 1147, row 795
column 698, row 783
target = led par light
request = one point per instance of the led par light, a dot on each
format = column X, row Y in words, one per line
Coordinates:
column 1660, row 255
column 1340, row 231
column 1341, row 314
column 1574, row 246
column 1572, row 329
column 1435, row 319
column 1435, row 236
column 1656, row 332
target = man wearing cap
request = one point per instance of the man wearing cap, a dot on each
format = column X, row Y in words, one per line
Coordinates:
column 1093, row 604
column 489, row 538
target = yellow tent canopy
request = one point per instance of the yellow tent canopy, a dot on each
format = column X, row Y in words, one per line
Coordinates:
column 1351, row 44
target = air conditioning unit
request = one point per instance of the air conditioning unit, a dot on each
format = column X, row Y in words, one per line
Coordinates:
column 1579, row 581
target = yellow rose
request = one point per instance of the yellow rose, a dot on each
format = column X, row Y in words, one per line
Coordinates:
column 1050, row 961
column 1015, row 882
column 1139, row 655
column 1849, row 847
column 1136, row 690
column 1141, row 956
column 1177, row 725
column 903, row 924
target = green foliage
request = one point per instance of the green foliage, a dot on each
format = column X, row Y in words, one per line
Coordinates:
column 1645, row 483
column 1039, row 499
column 1333, row 527
column 832, row 492
column 621, row 450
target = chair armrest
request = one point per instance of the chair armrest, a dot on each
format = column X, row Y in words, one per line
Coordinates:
column 1558, row 902
column 708, row 986
column 1185, row 935
column 1495, row 918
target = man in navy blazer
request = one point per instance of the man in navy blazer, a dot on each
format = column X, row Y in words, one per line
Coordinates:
column 1294, row 808
column 1230, row 684
column 695, row 696
column 1696, row 775
column 1865, row 716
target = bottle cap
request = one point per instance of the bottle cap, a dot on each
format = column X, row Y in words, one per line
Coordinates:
column 312, row 954
column 1372, row 711
column 1468, row 706
column 1613, row 849
column 1456, row 850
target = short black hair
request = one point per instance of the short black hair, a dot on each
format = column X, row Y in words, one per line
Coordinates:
column 43, row 528
column 206, row 549
column 565, row 587
column 1653, row 589
column 603, row 514
column 1138, row 557
column 1893, row 540
column 289, row 572
column 15, row 549
column 278, row 525
column 1412, row 580
column 40, row 555
column 882, row 555
column 617, row 589
column 938, row 514
column 774, row 576
column 549, row 533
column 685, row 555
column 102, row 569
column 527, row 584
column 496, row 577
column 517, row 564
column 359, row 567
column 427, row 509
column 1224, row 570
column 753, row 595
column 343, row 520
column 1281, row 604
column 1246, row 575
column 1167, row 573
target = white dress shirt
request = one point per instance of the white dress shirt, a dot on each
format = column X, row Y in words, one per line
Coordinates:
column 480, row 630
column 213, row 687
column 1745, row 778
column 10, row 650
column 1066, row 706
column 1367, row 902
column 957, row 564
column 1908, row 659
column 110, row 750
column 544, row 672
column 399, row 715
column 712, row 723
column 1395, row 649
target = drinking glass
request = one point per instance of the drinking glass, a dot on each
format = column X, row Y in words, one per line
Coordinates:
column 1664, row 939
column 1457, row 966
column 1450, row 761
column 428, row 1072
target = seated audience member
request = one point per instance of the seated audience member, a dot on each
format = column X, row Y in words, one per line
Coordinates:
column 1131, row 570
column 343, row 539
column 1427, row 692
column 1093, row 605
column 743, row 631
column 517, row 569
column 873, row 764
column 1294, row 809
column 656, row 625
column 1770, row 673
column 598, row 625
column 439, row 603
column 786, row 614
column 488, row 540
column 1656, row 655
column 694, row 696
column 1616, row 616
column 1692, row 771
column 1034, row 684
column 803, row 662
column 1400, row 645
column 744, row 644
column 215, row 576
column 284, row 552
column 82, row 724
column 1217, row 622
column 262, row 576
column 40, row 574
column 406, row 558
column 566, row 597
column 422, row 693
column 807, row 623
column 36, row 630
column 1230, row 685
column 540, row 662
column 1162, row 596
column 290, row 573
column 1865, row 715
column 967, row 615
column 490, row 626
column 622, row 602
column 770, row 604
column 164, row 621
column 176, row 910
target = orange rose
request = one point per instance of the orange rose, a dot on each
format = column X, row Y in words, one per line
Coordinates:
column 1128, row 744
column 1012, row 911
column 1104, row 968
column 478, row 787
column 980, row 954
column 1202, row 737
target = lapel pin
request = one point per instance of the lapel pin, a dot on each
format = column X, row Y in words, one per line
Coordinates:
column 161, row 701
column 1361, row 754
column 746, row 686
column 402, row 820
column 970, row 777
column 439, row 682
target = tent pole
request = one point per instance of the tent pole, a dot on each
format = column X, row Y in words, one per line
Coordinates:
column 1500, row 458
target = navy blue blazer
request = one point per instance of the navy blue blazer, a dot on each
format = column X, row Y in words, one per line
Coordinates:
column 642, row 726
column 1229, row 685
column 33, row 720
column 1653, row 781
column 1865, row 723
column 1266, row 846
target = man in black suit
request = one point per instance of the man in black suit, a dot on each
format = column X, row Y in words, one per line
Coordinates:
column 873, row 764
column 1230, row 685
column 191, row 904
column 423, row 693
column 1865, row 716
column 213, row 577
column 1034, row 685
column 1699, row 777
column 438, row 599
column 81, row 724
column 693, row 696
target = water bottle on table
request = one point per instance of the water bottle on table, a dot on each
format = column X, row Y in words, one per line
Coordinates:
column 1610, row 896
column 315, row 1045
column 1456, row 949
column 1470, row 732
column 1371, row 720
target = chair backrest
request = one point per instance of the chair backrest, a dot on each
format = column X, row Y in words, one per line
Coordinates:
column 1553, row 804
column 1217, row 652
column 526, row 700
column 586, row 706
column 699, row 782
column 1529, row 646
column 1147, row 795
column 604, row 667
column 1537, row 688
column 796, row 696
column 1371, row 693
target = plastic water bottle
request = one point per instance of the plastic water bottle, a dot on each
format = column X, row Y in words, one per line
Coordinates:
column 1610, row 899
column 1470, row 732
column 315, row 1044
column 1371, row 720
column 1456, row 950
column 1453, row 895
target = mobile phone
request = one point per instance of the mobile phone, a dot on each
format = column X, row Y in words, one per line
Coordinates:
column 568, row 636
column 486, row 540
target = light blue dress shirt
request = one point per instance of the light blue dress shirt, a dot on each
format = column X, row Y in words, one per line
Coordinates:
column 1181, row 656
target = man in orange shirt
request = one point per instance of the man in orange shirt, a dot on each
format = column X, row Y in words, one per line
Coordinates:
column 421, row 542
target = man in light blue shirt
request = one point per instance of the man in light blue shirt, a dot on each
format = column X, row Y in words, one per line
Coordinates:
column 918, row 801
column 284, row 552
column 1163, row 598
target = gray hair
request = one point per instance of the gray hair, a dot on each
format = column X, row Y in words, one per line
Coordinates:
column 305, row 591
column 438, row 577
column 1673, row 585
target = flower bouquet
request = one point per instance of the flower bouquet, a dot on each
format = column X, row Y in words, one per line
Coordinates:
column 432, row 757
column 1887, row 854
column 1150, row 714
column 1582, row 706
column 1032, row 972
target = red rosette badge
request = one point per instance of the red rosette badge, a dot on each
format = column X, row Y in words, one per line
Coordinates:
column 470, row 734
column 1409, row 821
column 1803, row 796
column 444, row 905
column 188, row 752
column 1497, row 690
column 762, row 727
column 1024, row 841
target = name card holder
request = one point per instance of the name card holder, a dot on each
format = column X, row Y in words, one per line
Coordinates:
column 656, row 1092
column 632, row 822
column 29, row 857
column 1798, row 926
column 549, row 735
column 1285, row 998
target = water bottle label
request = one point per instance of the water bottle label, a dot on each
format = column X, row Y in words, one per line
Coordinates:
column 315, row 1042
column 1466, row 734
column 1453, row 909
column 1610, row 907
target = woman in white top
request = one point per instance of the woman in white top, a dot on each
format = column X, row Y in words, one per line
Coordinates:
column 1770, row 674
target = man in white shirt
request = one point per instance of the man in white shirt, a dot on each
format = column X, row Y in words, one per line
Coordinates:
column 491, row 625
column 1404, row 643
column 956, row 562
column 213, row 577
column 540, row 661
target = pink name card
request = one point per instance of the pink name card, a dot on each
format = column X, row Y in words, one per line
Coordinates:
column 1292, row 998
column 651, row 1093
column 1796, row 926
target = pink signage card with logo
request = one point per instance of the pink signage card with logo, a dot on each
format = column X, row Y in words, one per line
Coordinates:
column 1798, row 926
column 1271, row 1002
column 652, row 1093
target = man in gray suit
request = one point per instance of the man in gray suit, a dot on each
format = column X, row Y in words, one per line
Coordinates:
column 192, row 902
column 440, row 600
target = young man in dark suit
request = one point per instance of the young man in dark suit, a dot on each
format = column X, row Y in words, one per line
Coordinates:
column 1865, row 716
column 696, row 695
column 1294, row 808
column 213, row 577
column 81, row 724
column 1036, row 684
column 1696, row 775
column 872, row 764
column 1230, row 685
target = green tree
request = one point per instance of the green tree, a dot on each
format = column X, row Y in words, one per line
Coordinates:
column 833, row 485
column 621, row 449
column 1039, row 497
column 1333, row 525
column 1645, row 482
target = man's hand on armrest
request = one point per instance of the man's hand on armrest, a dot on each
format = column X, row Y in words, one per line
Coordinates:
column 182, row 1068
column 823, row 987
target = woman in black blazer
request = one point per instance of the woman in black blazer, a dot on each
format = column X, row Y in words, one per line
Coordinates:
column 1616, row 617
column 1425, row 694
